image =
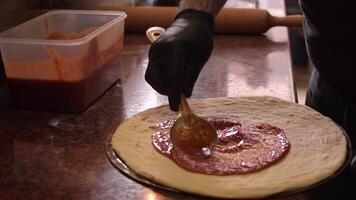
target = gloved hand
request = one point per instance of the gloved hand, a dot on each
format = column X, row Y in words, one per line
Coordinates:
column 177, row 57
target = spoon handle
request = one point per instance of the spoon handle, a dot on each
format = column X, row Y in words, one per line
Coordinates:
column 184, row 109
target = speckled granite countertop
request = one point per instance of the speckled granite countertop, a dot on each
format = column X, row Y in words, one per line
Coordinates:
column 62, row 156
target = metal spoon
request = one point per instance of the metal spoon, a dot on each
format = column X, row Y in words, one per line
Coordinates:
column 189, row 134
column 192, row 134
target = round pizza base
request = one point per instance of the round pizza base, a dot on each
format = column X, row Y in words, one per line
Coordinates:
column 318, row 148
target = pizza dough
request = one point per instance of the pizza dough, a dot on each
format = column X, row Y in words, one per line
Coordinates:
column 318, row 148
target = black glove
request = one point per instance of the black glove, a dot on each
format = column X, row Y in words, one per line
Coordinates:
column 176, row 58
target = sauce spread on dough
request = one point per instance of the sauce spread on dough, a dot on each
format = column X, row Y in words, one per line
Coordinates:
column 240, row 150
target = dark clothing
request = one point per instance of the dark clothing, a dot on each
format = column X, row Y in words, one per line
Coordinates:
column 331, row 42
column 331, row 45
column 323, row 98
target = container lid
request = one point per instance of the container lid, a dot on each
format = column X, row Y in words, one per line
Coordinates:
column 9, row 35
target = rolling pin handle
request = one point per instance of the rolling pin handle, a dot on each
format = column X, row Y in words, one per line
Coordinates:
column 288, row 21
column 153, row 33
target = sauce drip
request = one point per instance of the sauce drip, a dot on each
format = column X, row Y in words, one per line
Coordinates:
column 239, row 150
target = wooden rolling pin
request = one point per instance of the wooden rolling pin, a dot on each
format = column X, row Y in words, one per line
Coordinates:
column 229, row 20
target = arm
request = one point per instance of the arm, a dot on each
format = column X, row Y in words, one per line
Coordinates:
column 177, row 57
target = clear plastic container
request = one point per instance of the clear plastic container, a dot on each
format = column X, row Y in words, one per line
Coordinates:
column 63, row 60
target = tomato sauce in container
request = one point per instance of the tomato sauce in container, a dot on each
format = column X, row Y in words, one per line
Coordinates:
column 63, row 60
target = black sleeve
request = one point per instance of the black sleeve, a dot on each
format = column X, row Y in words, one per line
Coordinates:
column 330, row 34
